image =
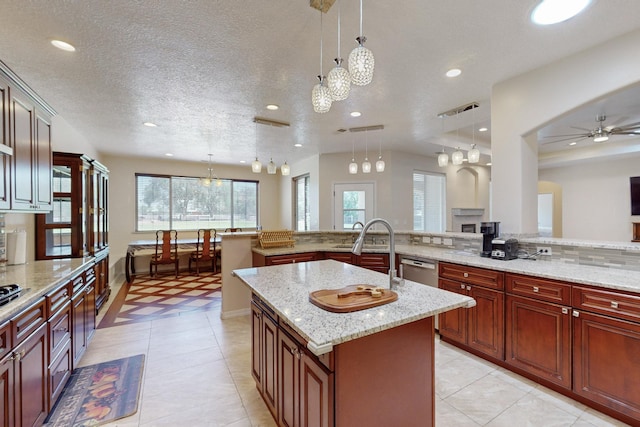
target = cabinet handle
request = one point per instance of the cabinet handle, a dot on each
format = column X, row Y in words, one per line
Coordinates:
column 468, row 288
column 614, row 304
column 576, row 313
column 536, row 289
column 565, row 310
column 465, row 274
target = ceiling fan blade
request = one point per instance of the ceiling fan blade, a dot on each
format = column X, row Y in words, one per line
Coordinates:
column 630, row 132
column 569, row 135
column 626, row 127
column 579, row 128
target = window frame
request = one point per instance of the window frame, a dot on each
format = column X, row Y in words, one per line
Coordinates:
column 307, row 202
column 443, row 206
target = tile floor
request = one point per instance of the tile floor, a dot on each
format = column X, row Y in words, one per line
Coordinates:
column 197, row 373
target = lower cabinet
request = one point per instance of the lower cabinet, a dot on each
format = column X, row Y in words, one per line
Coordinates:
column 291, row 258
column 480, row 328
column 83, row 316
column 295, row 385
column 31, row 379
column 102, row 288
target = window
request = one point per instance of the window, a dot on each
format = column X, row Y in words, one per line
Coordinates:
column 301, row 197
column 429, row 202
column 184, row 203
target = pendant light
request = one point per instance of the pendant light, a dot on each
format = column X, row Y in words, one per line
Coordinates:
column 380, row 163
column 361, row 60
column 339, row 79
column 457, row 157
column 271, row 167
column 353, row 166
column 320, row 95
column 366, row 165
column 206, row 181
column 285, row 170
column 443, row 158
column 474, row 153
column 256, row 165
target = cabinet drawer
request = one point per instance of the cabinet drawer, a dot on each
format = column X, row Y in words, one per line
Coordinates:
column 28, row 321
column 59, row 330
column 340, row 256
column 472, row 275
column 58, row 298
column 59, row 373
column 612, row 303
column 5, row 339
column 540, row 289
column 378, row 262
column 291, row 258
column 77, row 283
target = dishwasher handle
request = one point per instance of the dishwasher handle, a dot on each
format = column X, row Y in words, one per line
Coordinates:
column 420, row 264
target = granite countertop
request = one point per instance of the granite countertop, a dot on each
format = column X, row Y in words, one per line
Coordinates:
column 611, row 278
column 286, row 288
column 36, row 279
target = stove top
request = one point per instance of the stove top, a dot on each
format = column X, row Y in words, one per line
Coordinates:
column 9, row 292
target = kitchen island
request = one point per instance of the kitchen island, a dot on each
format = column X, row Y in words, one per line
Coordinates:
column 370, row 367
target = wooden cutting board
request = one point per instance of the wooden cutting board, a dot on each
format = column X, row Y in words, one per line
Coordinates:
column 352, row 298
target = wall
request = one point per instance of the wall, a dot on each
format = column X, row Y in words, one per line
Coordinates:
column 308, row 166
column 596, row 198
column 555, row 189
column 122, row 195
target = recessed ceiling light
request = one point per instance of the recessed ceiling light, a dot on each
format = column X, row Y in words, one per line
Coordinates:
column 454, row 72
column 573, row 143
column 272, row 107
column 168, row 154
column 297, row 145
column 63, row 45
column 243, row 161
column 483, row 129
column 553, row 11
column 355, row 114
column 149, row 124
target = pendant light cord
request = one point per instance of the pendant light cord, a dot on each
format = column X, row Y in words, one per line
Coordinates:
column 321, row 6
column 339, row 30
column 360, row 18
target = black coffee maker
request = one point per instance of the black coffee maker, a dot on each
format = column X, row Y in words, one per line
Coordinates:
column 489, row 230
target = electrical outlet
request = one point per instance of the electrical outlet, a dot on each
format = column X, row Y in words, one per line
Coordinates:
column 544, row 250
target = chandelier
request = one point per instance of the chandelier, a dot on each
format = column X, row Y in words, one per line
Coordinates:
column 339, row 79
column 207, row 180
column 361, row 60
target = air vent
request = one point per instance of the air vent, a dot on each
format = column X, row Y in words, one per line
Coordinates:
column 339, row 131
column 366, row 128
column 269, row 122
column 458, row 110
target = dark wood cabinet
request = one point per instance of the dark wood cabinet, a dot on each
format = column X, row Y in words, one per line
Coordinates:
column 289, row 385
column 480, row 328
column 291, row 258
column 31, row 379
column 376, row 262
column 264, row 355
column 347, row 257
column 102, row 287
column 538, row 327
column 83, row 314
column 7, row 381
column 99, row 208
column 5, row 147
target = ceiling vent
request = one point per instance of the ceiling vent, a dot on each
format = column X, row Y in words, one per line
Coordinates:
column 366, row 128
column 458, row 110
column 269, row 122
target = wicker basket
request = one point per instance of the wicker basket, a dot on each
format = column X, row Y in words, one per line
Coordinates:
column 276, row 239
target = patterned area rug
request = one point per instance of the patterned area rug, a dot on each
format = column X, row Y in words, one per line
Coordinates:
column 99, row 394
column 163, row 296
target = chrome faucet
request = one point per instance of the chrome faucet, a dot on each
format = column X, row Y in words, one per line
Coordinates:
column 357, row 249
column 357, row 222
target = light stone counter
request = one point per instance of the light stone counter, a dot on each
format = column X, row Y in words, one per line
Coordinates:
column 36, row 279
column 611, row 278
column 286, row 288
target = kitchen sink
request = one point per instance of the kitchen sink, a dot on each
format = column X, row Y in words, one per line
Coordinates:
column 365, row 246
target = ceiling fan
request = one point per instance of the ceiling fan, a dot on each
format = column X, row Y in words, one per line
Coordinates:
column 601, row 133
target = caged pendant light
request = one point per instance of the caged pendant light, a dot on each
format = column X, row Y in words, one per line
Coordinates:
column 361, row 60
column 339, row 79
column 320, row 96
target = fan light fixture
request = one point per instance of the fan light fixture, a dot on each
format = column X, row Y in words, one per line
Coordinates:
column 361, row 60
column 549, row 12
column 600, row 137
column 320, row 95
column 339, row 79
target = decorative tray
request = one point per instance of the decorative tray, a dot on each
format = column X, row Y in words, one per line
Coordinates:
column 352, row 298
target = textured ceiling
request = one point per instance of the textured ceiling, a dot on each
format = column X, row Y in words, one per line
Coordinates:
column 202, row 70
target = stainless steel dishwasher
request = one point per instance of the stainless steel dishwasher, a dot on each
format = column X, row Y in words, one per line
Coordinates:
column 421, row 271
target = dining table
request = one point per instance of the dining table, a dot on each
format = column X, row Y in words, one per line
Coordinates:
column 147, row 247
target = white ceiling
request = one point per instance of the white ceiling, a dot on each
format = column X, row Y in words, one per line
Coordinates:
column 202, row 70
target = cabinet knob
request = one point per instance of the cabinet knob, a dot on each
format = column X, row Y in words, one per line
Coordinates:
column 461, row 285
column 465, row 274
column 565, row 310
column 576, row 313
column 536, row 289
column 468, row 288
column 614, row 304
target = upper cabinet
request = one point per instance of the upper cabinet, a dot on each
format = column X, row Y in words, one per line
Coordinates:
column 25, row 178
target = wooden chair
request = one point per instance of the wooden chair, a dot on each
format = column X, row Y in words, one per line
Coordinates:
column 232, row 230
column 204, row 251
column 166, row 251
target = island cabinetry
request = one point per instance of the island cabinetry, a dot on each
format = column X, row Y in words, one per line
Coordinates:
column 264, row 332
column 59, row 331
column 606, row 338
column 538, row 327
column 480, row 328
column 29, row 360
column 375, row 262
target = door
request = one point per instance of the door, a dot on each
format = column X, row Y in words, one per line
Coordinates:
column 353, row 203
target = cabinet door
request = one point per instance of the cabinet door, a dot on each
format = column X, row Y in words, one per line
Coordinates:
column 90, row 310
column 486, row 322
column 43, row 163
column 538, row 338
column 340, row 256
column 5, row 159
column 6, row 390
column 316, row 394
column 453, row 324
column 270, row 363
column 23, row 186
column 376, row 262
column 291, row 258
column 256, row 344
column 78, row 317
column 289, row 380
column 605, row 361
column 32, row 402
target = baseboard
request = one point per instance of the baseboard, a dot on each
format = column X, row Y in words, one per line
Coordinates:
column 235, row 313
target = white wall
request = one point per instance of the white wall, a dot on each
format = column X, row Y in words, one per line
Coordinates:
column 66, row 139
column 122, row 194
column 596, row 198
column 308, row 166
